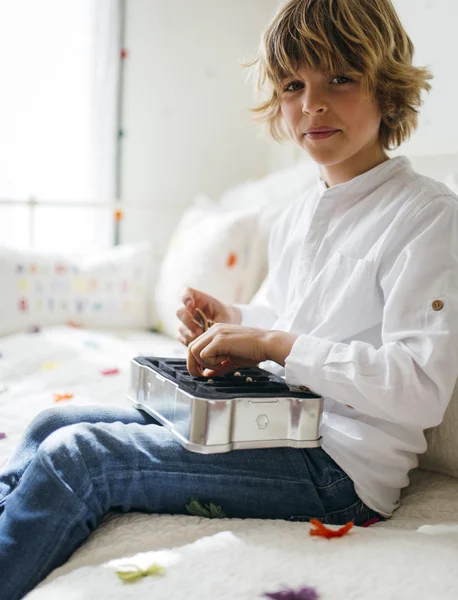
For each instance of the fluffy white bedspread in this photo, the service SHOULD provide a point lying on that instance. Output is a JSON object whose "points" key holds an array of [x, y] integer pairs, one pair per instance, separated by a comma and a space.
{"points": [[243, 559], [414, 555]]}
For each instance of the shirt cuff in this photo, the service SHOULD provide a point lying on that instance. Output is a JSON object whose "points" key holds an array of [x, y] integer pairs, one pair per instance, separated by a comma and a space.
{"points": [[304, 364]]}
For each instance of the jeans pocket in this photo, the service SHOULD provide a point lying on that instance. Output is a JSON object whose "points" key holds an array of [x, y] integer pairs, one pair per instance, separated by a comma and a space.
{"points": [[321, 469], [357, 512]]}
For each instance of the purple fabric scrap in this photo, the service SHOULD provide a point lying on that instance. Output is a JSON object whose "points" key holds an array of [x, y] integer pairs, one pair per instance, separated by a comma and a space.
{"points": [[303, 593]]}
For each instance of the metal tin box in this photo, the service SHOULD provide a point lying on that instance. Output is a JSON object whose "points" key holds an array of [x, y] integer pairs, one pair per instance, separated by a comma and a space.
{"points": [[251, 408]]}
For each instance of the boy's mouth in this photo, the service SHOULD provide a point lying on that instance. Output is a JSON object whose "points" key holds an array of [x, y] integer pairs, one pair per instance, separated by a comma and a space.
{"points": [[320, 133]]}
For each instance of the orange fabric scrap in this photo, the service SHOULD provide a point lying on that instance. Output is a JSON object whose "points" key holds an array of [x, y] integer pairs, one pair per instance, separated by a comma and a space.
{"points": [[232, 260], [324, 531], [60, 397]]}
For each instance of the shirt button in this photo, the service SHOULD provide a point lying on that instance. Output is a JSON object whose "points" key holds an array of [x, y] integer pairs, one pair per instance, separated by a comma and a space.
{"points": [[437, 305]]}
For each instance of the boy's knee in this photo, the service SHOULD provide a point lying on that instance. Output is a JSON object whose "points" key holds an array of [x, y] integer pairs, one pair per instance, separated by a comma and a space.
{"points": [[73, 455], [50, 419], [68, 450]]}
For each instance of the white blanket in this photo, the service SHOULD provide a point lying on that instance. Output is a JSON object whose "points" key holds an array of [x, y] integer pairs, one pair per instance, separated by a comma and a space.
{"points": [[243, 559], [228, 558]]}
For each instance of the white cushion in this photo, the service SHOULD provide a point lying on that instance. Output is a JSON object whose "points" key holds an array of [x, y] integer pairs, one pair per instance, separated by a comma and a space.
{"points": [[272, 193], [106, 289], [442, 453], [212, 250]]}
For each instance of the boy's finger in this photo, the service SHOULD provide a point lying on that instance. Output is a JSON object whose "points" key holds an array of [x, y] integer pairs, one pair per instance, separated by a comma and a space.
{"points": [[188, 298], [182, 340], [193, 364], [186, 334], [225, 367], [186, 318]]}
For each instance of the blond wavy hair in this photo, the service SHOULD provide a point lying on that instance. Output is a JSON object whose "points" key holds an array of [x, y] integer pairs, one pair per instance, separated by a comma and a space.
{"points": [[343, 37]]}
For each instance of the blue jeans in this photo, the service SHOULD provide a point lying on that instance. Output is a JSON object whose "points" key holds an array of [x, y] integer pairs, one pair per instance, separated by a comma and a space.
{"points": [[75, 464]]}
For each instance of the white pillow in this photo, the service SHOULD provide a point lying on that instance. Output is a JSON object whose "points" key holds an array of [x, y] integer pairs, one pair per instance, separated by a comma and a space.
{"points": [[106, 289], [442, 453], [273, 193], [212, 250]]}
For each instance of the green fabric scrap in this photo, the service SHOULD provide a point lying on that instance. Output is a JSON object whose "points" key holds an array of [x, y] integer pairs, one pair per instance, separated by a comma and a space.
{"points": [[137, 573], [210, 511]]}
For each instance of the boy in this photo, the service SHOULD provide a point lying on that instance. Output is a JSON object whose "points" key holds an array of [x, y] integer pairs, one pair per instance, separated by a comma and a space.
{"points": [[360, 305]]}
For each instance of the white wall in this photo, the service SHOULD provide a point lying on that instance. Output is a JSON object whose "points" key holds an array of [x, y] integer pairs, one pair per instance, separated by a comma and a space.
{"points": [[185, 114], [431, 25]]}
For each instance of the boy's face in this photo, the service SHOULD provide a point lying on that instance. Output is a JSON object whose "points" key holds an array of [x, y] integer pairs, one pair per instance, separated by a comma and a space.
{"points": [[336, 103]]}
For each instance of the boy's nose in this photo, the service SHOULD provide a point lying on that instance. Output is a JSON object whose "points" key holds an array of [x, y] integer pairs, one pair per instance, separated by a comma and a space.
{"points": [[312, 109], [313, 103]]}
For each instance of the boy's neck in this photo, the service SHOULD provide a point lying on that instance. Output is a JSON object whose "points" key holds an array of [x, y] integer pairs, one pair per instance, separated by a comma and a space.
{"points": [[353, 166]]}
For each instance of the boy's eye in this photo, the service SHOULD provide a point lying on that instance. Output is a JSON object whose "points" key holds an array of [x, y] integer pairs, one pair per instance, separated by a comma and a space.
{"points": [[294, 86], [339, 79]]}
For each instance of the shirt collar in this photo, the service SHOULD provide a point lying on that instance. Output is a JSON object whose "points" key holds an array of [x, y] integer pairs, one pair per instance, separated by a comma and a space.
{"points": [[366, 182]]}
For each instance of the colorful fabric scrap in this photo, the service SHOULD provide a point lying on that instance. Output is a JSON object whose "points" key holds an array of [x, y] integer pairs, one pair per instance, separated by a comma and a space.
{"points": [[321, 530]]}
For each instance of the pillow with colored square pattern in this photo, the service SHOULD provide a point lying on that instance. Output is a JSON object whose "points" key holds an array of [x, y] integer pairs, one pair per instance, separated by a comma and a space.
{"points": [[108, 288]]}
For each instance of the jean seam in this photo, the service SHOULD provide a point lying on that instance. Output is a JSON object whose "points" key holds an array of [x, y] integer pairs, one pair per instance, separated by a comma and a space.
{"points": [[330, 485], [161, 472], [95, 479], [75, 520], [56, 544], [354, 505]]}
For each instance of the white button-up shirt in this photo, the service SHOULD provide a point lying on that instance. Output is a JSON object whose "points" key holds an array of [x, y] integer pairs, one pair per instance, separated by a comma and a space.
{"points": [[366, 273]]}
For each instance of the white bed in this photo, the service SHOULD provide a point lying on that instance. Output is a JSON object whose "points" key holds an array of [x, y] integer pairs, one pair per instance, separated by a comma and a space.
{"points": [[412, 555]]}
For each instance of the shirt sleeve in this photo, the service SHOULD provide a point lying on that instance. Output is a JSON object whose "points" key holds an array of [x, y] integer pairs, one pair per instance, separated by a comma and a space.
{"points": [[410, 378]]}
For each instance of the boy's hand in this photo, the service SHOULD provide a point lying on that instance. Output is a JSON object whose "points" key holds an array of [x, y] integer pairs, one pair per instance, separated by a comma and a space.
{"points": [[224, 348], [211, 307]]}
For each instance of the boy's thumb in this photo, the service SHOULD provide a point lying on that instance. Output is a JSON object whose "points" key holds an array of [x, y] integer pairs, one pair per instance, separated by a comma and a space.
{"points": [[188, 297]]}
